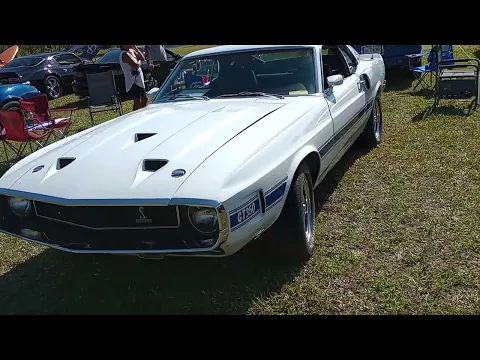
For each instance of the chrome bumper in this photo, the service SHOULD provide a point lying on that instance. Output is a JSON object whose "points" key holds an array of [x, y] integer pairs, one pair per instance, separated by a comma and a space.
{"points": [[211, 251]]}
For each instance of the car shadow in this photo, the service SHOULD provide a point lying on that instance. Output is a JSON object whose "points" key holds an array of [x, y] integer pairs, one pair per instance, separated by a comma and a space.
{"points": [[445, 110], [55, 282], [398, 80], [325, 190], [79, 103]]}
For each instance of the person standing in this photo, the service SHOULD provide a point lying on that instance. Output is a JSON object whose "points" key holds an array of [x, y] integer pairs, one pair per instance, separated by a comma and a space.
{"points": [[130, 60], [156, 59]]}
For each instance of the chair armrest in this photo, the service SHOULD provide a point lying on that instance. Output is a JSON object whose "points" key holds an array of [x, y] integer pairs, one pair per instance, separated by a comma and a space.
{"points": [[64, 110], [465, 60], [456, 66], [412, 56]]}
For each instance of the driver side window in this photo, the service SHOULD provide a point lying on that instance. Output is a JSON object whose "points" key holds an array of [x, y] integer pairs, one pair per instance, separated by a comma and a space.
{"points": [[67, 59], [333, 63], [349, 59]]}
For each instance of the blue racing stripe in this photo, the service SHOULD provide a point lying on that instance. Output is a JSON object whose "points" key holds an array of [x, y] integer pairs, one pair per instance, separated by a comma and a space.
{"points": [[273, 197]]}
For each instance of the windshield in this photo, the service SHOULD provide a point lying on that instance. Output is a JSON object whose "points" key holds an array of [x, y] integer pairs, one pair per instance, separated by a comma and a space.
{"points": [[25, 61], [254, 73]]}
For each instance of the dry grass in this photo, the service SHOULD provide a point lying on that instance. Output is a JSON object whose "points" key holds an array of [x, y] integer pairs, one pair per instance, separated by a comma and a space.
{"points": [[397, 233]]}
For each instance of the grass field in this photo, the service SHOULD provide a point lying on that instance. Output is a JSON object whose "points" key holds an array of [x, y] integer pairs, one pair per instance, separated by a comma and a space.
{"points": [[397, 233]]}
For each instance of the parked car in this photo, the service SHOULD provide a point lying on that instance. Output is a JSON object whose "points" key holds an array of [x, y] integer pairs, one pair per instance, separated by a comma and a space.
{"points": [[51, 73], [10, 95], [111, 62], [204, 169], [394, 56]]}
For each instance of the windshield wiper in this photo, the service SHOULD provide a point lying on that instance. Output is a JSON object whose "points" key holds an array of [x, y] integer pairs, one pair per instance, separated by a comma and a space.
{"points": [[185, 96], [252, 93]]}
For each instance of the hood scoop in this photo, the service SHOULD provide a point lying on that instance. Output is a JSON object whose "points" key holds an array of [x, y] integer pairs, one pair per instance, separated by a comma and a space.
{"points": [[152, 165], [140, 137], [62, 162]]}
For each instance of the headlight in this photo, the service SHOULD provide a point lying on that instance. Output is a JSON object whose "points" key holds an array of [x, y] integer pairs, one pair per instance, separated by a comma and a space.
{"points": [[19, 206], [203, 219]]}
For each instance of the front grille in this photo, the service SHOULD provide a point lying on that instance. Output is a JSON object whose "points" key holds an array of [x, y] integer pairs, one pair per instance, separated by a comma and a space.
{"points": [[76, 237], [111, 217]]}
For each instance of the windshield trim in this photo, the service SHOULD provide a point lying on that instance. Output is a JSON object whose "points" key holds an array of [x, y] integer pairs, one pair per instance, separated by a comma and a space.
{"points": [[246, 50]]}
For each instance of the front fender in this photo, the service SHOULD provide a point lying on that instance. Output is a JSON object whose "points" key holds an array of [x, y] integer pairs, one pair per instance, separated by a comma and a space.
{"points": [[299, 157], [16, 91]]}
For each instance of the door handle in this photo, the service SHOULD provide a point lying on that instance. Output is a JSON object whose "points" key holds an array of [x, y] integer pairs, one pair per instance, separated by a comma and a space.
{"points": [[361, 85]]}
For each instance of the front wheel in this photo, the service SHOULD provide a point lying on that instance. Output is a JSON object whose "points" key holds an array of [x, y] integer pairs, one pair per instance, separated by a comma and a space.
{"points": [[294, 236], [11, 106]]}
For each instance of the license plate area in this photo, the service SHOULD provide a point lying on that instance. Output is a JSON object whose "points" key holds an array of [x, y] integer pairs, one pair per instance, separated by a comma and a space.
{"points": [[372, 49]]}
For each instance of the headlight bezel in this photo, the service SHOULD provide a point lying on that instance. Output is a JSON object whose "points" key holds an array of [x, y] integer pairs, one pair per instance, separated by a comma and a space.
{"points": [[19, 210], [192, 212]]}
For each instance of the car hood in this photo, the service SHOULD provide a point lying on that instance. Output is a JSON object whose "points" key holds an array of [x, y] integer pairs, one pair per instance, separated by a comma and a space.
{"points": [[109, 159]]}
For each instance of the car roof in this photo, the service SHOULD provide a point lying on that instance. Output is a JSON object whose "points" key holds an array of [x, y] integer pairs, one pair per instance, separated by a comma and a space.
{"points": [[223, 49], [46, 54]]}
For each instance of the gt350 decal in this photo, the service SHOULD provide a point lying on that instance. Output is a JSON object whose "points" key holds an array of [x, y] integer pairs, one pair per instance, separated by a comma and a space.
{"points": [[243, 214]]}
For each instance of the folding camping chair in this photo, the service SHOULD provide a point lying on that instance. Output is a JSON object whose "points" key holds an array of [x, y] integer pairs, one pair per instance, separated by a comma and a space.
{"points": [[422, 72], [16, 135], [37, 109], [103, 94]]}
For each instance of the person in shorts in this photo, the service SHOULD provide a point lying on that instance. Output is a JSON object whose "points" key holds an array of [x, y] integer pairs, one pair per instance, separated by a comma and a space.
{"points": [[156, 57], [130, 60]]}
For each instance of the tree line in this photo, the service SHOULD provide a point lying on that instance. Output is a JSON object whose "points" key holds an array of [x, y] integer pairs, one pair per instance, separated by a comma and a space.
{"points": [[35, 49]]}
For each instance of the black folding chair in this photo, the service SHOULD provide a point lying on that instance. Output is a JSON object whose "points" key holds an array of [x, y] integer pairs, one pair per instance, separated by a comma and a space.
{"points": [[458, 81], [103, 94]]}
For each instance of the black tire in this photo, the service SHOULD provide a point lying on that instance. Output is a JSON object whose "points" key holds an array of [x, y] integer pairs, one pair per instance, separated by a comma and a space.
{"points": [[11, 106], [53, 87], [371, 136], [293, 236]]}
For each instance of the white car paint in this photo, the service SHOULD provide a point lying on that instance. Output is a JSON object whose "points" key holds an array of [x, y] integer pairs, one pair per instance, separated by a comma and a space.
{"points": [[232, 150]]}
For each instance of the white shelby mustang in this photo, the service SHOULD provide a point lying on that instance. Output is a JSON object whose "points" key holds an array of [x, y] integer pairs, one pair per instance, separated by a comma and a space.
{"points": [[232, 144]]}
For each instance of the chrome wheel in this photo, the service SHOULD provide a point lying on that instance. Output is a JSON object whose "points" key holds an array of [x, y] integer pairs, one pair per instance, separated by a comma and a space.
{"points": [[53, 87], [306, 198], [377, 121]]}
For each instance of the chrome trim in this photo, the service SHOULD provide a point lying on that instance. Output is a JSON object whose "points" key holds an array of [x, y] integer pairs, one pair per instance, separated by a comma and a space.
{"points": [[113, 228], [110, 202], [222, 214], [194, 202], [126, 252], [223, 224]]}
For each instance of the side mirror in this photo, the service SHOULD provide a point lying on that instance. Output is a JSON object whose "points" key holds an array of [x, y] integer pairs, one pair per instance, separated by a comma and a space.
{"points": [[151, 93], [335, 80]]}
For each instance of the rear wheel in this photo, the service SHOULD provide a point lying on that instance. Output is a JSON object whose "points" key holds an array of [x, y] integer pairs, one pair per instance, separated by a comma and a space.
{"points": [[53, 87], [372, 133]]}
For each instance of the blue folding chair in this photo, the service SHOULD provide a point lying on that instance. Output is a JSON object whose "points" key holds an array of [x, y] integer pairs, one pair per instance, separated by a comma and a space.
{"points": [[447, 55], [422, 72]]}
